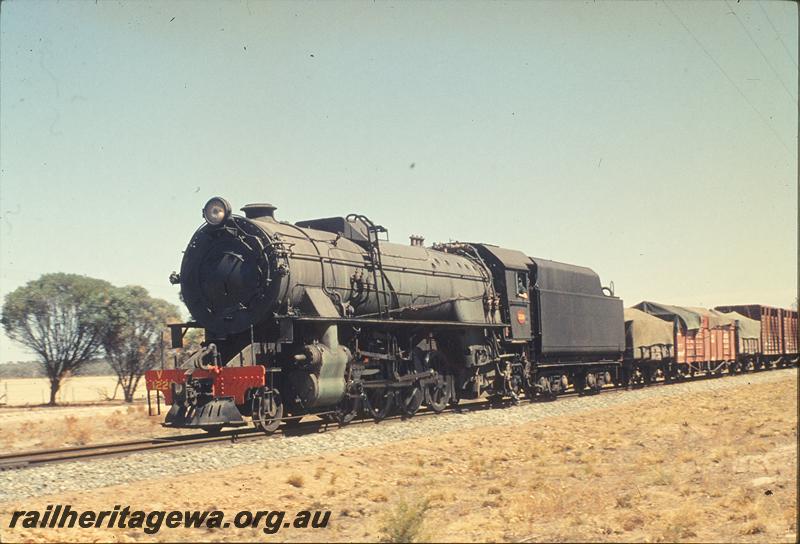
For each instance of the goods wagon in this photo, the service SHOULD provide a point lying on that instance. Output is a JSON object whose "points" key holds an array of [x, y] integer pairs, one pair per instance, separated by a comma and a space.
{"points": [[649, 347], [647, 337], [790, 332], [778, 332], [720, 337], [748, 332], [703, 341]]}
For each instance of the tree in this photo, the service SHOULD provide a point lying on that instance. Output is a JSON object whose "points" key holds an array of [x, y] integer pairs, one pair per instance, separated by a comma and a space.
{"points": [[135, 336], [193, 340], [62, 318]]}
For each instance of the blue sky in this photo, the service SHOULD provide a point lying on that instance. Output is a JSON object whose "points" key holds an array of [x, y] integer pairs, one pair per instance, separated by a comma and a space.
{"points": [[653, 142]]}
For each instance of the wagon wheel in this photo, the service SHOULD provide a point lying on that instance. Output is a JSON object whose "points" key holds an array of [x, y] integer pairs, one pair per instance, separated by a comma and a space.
{"points": [[267, 411], [379, 403], [437, 396], [410, 400]]}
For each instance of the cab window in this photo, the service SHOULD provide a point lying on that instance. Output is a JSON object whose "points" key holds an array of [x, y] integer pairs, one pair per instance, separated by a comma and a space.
{"points": [[522, 285]]}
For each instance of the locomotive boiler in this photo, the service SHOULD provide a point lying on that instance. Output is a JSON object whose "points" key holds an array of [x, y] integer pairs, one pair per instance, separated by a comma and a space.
{"points": [[328, 317]]}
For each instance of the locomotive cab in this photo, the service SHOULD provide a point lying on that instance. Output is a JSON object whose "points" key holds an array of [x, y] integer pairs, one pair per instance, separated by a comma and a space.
{"points": [[511, 271]]}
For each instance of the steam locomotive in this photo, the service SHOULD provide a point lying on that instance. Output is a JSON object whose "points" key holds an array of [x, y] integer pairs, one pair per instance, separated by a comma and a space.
{"points": [[327, 317]]}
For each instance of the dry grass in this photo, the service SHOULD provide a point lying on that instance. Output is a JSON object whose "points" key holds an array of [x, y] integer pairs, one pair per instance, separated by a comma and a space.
{"points": [[74, 390], [76, 432], [295, 480], [47, 428], [659, 470], [403, 523]]}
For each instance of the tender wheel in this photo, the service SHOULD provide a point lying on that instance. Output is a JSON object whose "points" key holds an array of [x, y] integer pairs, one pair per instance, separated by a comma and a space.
{"points": [[437, 397], [410, 400], [579, 383], [379, 403], [267, 411], [529, 387]]}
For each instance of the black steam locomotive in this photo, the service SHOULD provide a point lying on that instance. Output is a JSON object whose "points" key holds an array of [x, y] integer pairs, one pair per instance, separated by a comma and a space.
{"points": [[327, 317]]}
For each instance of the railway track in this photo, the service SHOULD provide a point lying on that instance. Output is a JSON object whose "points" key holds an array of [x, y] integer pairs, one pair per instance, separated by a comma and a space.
{"points": [[40, 457], [18, 460]]}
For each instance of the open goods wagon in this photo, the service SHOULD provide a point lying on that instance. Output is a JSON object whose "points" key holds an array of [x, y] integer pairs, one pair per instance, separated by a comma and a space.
{"points": [[778, 332], [702, 341]]}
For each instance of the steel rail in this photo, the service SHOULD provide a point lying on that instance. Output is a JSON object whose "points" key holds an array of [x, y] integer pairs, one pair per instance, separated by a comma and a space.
{"points": [[25, 459]]}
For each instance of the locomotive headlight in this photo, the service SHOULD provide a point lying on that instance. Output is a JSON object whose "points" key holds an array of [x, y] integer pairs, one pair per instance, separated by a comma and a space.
{"points": [[216, 211]]}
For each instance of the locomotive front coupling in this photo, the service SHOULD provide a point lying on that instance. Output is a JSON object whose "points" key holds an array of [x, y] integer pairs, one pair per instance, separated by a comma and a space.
{"points": [[195, 406]]}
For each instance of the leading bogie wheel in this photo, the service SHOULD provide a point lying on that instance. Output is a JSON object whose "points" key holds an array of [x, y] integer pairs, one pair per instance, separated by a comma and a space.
{"points": [[267, 411]]}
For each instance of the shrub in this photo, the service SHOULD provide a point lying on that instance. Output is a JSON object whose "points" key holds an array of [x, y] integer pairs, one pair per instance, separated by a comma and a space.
{"points": [[404, 522], [295, 480]]}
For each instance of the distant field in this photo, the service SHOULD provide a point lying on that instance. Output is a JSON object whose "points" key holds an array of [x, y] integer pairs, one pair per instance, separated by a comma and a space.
{"points": [[25, 391]]}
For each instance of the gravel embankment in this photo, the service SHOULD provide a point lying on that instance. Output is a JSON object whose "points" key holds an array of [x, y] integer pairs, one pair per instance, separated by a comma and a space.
{"points": [[75, 476]]}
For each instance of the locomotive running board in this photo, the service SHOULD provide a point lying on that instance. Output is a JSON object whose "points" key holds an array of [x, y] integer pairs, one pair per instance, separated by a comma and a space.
{"points": [[578, 363], [401, 322]]}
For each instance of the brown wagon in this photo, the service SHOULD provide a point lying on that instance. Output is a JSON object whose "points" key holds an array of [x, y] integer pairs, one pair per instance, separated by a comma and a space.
{"points": [[714, 341], [704, 341], [790, 333], [778, 332], [748, 333]]}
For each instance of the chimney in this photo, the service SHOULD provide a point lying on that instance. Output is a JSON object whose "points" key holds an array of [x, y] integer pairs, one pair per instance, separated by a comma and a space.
{"points": [[416, 240], [260, 211]]}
